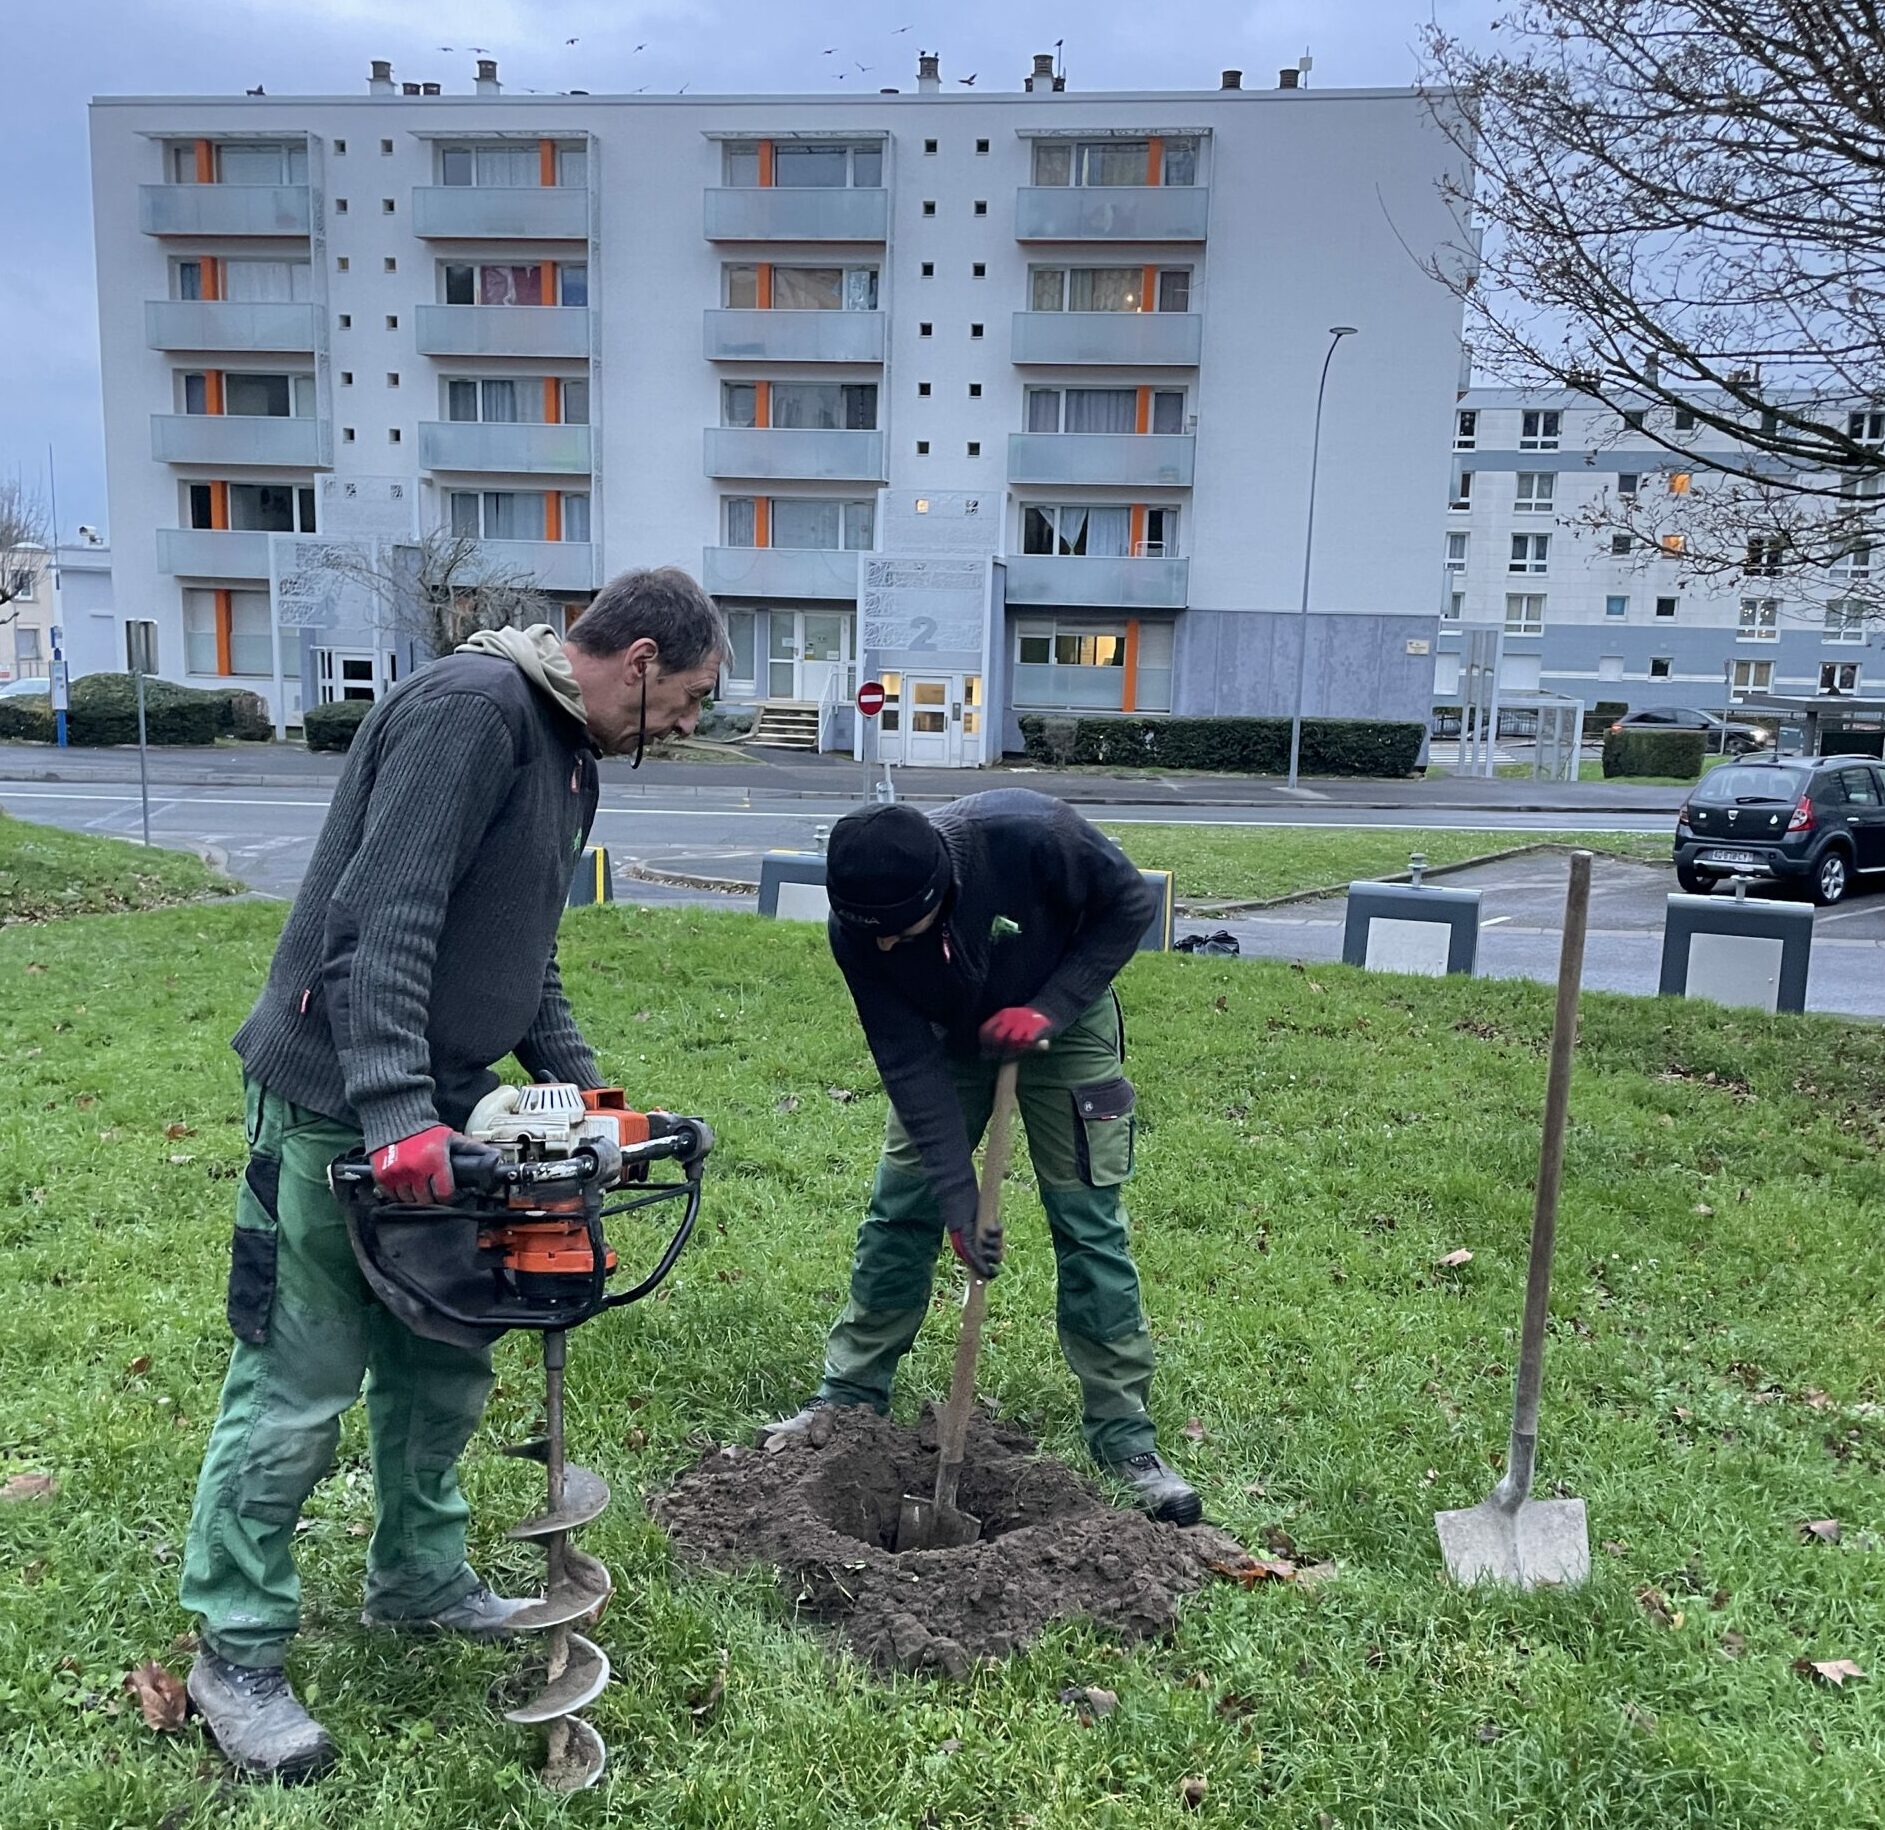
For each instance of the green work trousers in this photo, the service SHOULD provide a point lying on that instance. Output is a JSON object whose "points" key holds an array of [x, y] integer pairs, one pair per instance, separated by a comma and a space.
{"points": [[308, 1329], [1077, 1107]]}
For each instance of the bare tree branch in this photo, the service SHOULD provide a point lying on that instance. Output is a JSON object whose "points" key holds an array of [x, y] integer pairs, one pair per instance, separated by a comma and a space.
{"points": [[443, 588], [1680, 211], [25, 538]]}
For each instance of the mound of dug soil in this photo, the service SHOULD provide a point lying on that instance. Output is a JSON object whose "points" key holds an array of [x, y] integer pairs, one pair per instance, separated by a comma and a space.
{"points": [[822, 1510]]}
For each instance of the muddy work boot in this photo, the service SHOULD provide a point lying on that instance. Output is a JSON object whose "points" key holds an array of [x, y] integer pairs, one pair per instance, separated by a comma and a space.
{"points": [[1159, 1488], [256, 1720], [478, 1615], [800, 1423]]}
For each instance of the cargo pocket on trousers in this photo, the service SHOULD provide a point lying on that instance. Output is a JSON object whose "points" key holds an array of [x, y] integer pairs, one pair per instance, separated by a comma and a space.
{"points": [[252, 1250], [1103, 1132]]}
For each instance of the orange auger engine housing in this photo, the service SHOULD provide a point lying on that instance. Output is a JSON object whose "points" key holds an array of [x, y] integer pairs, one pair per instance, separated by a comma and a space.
{"points": [[521, 1244]]}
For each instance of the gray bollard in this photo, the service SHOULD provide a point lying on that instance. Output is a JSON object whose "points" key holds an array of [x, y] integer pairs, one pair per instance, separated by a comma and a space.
{"points": [[1406, 927], [593, 879], [1751, 955]]}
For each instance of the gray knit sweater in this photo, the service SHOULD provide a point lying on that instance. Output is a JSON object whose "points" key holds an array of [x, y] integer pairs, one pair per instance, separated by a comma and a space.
{"points": [[422, 946]]}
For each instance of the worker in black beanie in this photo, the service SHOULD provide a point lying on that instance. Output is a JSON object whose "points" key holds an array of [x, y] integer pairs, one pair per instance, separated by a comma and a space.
{"points": [[992, 929]]}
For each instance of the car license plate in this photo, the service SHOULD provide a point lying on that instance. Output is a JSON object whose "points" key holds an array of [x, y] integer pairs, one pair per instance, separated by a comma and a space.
{"points": [[1730, 857]]}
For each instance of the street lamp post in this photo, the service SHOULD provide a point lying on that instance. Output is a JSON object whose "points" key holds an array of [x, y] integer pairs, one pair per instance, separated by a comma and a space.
{"points": [[1336, 333]]}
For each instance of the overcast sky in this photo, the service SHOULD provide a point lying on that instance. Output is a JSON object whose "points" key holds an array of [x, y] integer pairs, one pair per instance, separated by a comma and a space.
{"points": [[59, 53]]}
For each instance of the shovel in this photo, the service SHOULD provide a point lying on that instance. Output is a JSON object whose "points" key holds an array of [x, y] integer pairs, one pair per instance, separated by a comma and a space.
{"points": [[1510, 1537], [927, 1522]]}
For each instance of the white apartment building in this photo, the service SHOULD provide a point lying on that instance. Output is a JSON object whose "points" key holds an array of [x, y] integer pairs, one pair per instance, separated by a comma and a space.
{"points": [[1595, 615], [1003, 398]]}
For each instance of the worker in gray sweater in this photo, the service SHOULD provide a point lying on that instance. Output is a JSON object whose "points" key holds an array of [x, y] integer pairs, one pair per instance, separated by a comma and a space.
{"points": [[992, 928], [420, 950]]}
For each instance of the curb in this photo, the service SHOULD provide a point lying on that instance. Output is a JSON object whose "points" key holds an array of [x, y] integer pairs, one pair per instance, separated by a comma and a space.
{"points": [[681, 880]]}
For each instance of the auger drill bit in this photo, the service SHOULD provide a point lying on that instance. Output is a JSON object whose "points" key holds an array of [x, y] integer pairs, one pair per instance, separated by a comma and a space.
{"points": [[576, 1669]]}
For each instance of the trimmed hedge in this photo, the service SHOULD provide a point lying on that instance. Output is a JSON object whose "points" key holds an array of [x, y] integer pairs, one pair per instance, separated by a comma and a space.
{"points": [[1643, 751], [1254, 746], [102, 710], [240, 714], [332, 727]]}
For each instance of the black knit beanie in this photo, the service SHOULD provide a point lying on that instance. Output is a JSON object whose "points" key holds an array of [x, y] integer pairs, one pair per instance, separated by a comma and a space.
{"points": [[885, 869]]}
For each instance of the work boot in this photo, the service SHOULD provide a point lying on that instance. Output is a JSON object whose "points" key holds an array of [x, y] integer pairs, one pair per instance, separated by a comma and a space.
{"points": [[1159, 1488], [477, 1615], [798, 1424], [257, 1721]]}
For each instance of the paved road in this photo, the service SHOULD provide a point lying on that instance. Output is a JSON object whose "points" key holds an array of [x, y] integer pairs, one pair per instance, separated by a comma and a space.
{"points": [[266, 832]]}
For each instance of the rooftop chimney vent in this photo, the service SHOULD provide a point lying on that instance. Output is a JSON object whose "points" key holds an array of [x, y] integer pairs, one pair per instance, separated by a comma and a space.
{"points": [[928, 72], [408, 88], [1233, 79], [487, 83], [430, 89], [1289, 79], [380, 81]]}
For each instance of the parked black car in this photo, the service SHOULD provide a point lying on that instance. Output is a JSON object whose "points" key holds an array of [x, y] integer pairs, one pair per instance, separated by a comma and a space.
{"points": [[1741, 738], [1819, 821]]}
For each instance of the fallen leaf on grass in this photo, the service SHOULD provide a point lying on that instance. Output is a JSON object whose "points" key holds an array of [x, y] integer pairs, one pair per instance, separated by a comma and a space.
{"points": [[790, 1103], [1616, 1547], [843, 1096], [1090, 1700], [173, 1132], [1824, 1531], [1833, 1671], [1255, 1570], [159, 1695], [34, 966], [140, 1366], [1462, 1256], [706, 1705], [358, 1528], [1487, 1733], [1656, 1605], [1278, 1542], [183, 1159], [1733, 1644], [29, 1487], [1194, 1430], [1191, 1791], [1311, 1575], [1639, 1719], [642, 1016]]}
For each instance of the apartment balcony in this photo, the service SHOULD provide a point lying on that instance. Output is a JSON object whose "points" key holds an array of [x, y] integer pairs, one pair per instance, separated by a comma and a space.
{"points": [[241, 438], [465, 445], [1099, 584], [1120, 339], [503, 330], [556, 565], [1139, 460], [239, 326], [795, 454], [482, 212], [224, 209], [779, 571], [200, 552], [1113, 212], [795, 213], [794, 336]]}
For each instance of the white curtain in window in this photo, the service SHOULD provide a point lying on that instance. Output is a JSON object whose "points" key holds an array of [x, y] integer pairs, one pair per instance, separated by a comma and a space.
{"points": [[199, 632], [1108, 533], [500, 402], [251, 646], [1043, 409], [817, 525], [572, 167], [740, 402], [860, 526], [823, 167], [1181, 162], [461, 400], [1102, 409], [811, 404], [1048, 291], [576, 517], [860, 289], [267, 282], [741, 521], [1104, 288], [513, 514], [807, 288], [1053, 162], [1114, 162], [508, 167], [465, 513]]}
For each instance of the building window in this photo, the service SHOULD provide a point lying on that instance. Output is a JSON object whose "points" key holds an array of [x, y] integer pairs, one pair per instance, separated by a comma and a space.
{"points": [[252, 396], [392, 323], [1839, 677], [1466, 429], [922, 447], [341, 263], [1537, 490], [244, 281], [1666, 607], [1868, 428], [1751, 676], [244, 162], [1079, 531], [1621, 545], [929, 270], [346, 320], [981, 147], [1111, 410], [807, 165], [978, 270], [340, 206], [925, 330], [929, 147], [386, 206], [1759, 620], [1538, 431], [1455, 607], [1685, 419], [1114, 162], [1845, 620], [1616, 606], [502, 514], [246, 637], [516, 284], [975, 390], [975, 447], [1524, 613], [392, 379], [506, 166], [1765, 553], [1107, 289], [1627, 482], [801, 288], [1529, 553], [929, 206], [1456, 552], [255, 508], [340, 149], [389, 265], [1462, 490], [393, 435], [1674, 545], [1633, 419], [826, 406], [1662, 667], [386, 149], [981, 206], [922, 390], [804, 524]]}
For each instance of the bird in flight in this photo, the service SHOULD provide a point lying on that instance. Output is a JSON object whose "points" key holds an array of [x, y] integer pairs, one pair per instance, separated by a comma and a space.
{"points": [[257, 90], [570, 41], [639, 47], [968, 82], [478, 50], [864, 69], [900, 30], [445, 47]]}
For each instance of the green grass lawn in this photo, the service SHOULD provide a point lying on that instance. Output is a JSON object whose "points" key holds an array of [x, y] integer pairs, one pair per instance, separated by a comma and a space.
{"points": [[1313, 1143], [1255, 863], [46, 873]]}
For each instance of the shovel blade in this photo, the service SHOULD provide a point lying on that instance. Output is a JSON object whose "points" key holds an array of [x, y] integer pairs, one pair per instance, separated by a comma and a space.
{"points": [[1536, 1544], [924, 1525]]}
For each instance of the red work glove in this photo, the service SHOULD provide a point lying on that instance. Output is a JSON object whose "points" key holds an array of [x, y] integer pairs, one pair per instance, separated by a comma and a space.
{"points": [[418, 1169], [982, 1258], [1015, 1031]]}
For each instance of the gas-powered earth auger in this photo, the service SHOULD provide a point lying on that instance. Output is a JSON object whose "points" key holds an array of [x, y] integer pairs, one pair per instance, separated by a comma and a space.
{"points": [[521, 1245]]}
